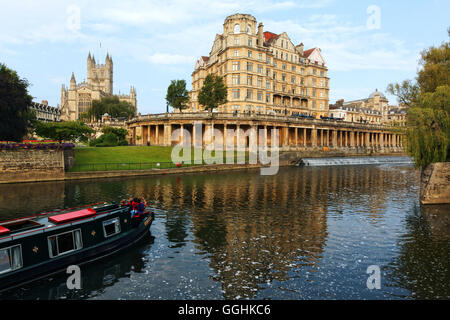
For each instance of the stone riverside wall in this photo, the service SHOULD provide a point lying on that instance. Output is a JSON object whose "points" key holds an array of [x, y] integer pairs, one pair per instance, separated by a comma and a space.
{"points": [[435, 183], [28, 165]]}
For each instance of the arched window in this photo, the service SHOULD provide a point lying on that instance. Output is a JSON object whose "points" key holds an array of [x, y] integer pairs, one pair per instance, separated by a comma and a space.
{"points": [[249, 29], [237, 28]]}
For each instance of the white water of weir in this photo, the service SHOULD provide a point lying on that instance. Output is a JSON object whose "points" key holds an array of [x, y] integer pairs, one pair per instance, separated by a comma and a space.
{"points": [[354, 161]]}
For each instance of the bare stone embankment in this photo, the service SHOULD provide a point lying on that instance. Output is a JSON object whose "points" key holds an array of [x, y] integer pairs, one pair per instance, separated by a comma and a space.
{"points": [[435, 183]]}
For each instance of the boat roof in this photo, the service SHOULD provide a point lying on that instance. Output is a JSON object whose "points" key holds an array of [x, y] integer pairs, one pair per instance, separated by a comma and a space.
{"points": [[22, 226]]}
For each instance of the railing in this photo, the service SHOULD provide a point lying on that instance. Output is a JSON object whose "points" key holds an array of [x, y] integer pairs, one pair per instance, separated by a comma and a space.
{"points": [[252, 116], [82, 167], [124, 166]]}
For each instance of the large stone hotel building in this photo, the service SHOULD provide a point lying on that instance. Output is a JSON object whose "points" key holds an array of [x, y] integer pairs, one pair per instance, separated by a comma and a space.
{"points": [[265, 72]]}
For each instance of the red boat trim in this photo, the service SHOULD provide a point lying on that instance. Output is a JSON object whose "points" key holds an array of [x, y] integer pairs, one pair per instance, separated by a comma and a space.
{"points": [[74, 215], [4, 230]]}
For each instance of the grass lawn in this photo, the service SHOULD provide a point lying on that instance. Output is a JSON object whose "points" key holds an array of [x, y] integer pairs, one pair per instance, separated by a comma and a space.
{"points": [[124, 158]]}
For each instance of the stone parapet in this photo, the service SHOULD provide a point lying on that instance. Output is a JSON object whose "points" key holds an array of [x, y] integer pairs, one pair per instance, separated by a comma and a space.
{"points": [[435, 183], [22, 165]]}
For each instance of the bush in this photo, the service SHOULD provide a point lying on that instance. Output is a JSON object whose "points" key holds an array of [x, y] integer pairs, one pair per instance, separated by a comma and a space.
{"points": [[108, 140]]}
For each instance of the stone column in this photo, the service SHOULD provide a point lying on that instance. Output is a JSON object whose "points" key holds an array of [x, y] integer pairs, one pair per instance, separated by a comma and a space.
{"points": [[352, 139], [238, 136], [334, 137], [304, 137], [296, 136], [285, 136], [253, 139], [225, 135], [182, 135], [157, 134], [314, 137], [265, 142], [167, 134]]}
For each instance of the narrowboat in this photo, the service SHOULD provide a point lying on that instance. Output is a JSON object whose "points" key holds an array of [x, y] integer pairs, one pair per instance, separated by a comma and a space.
{"points": [[35, 247]]}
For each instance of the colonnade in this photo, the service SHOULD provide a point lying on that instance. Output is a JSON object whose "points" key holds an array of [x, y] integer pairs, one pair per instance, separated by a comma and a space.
{"points": [[287, 137]]}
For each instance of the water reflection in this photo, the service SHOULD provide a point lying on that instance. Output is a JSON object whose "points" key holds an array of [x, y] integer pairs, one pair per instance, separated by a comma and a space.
{"points": [[423, 265], [303, 233]]}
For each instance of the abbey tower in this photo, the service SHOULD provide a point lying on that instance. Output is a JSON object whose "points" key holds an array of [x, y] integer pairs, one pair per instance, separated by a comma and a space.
{"points": [[78, 97]]}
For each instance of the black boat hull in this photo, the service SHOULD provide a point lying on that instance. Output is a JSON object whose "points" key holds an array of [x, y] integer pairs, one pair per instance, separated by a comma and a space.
{"points": [[141, 227]]}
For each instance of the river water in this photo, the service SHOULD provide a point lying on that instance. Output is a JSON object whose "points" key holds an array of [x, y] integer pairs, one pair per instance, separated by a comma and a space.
{"points": [[305, 233]]}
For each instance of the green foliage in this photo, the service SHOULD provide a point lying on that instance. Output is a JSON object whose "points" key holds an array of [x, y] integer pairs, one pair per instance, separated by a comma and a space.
{"points": [[177, 96], [64, 131], [111, 137], [110, 105], [428, 133], [435, 70], [15, 116], [213, 92], [121, 133], [407, 92]]}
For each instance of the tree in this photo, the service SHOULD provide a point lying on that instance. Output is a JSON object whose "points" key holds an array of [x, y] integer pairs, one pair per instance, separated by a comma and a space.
{"points": [[15, 115], [111, 137], [407, 92], [64, 131], [428, 133], [112, 106], [435, 64], [121, 133], [177, 96], [213, 92], [429, 128]]}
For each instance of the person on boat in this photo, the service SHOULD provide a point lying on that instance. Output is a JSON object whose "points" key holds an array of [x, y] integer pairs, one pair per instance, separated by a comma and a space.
{"points": [[134, 206], [141, 206]]}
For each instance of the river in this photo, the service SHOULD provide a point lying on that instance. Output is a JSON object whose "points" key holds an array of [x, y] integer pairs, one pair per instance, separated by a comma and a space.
{"points": [[305, 233]]}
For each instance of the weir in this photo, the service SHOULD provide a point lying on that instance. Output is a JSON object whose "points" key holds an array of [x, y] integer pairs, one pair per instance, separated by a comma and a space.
{"points": [[341, 161]]}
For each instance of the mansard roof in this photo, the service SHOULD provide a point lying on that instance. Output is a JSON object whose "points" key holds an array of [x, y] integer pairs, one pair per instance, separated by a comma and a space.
{"points": [[269, 36], [308, 52]]}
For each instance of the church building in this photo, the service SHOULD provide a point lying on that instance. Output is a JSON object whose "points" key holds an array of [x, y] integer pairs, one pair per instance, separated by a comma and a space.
{"points": [[78, 97]]}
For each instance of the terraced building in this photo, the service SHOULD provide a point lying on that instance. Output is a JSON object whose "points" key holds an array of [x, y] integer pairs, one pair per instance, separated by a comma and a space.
{"points": [[266, 73]]}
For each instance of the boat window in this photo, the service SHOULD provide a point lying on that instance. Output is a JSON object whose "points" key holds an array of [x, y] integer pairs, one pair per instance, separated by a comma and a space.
{"points": [[111, 227], [64, 242], [10, 259]]}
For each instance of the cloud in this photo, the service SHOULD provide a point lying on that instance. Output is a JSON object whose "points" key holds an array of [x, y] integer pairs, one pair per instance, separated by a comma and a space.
{"points": [[347, 46], [168, 58]]}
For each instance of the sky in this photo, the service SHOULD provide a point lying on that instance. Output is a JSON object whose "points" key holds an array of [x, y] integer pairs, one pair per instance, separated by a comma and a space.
{"points": [[366, 44]]}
